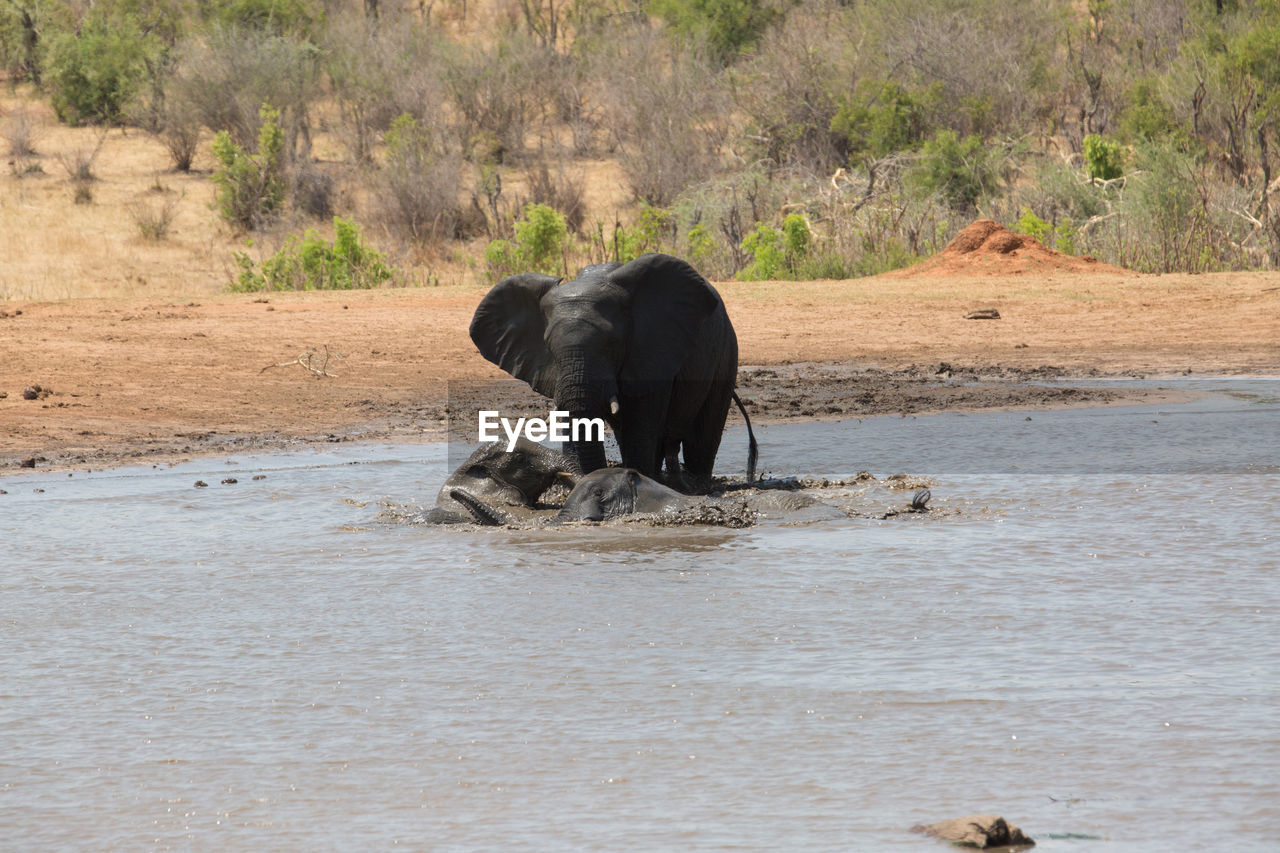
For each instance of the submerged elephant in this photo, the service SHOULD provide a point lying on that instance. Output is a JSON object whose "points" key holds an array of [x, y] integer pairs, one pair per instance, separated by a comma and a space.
{"points": [[500, 478], [647, 346], [616, 492], [611, 493]]}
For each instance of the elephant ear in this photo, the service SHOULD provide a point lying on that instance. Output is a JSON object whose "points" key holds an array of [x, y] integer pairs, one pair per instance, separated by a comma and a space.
{"points": [[508, 329], [635, 481], [670, 301]]}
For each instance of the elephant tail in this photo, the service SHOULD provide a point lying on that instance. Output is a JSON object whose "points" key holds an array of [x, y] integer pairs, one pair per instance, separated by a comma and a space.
{"points": [[753, 449], [483, 514]]}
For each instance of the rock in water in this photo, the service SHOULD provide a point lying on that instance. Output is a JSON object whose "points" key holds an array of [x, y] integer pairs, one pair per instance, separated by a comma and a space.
{"points": [[982, 831]]}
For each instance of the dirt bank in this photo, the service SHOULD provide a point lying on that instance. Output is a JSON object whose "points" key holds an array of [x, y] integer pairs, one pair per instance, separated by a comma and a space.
{"points": [[156, 380]]}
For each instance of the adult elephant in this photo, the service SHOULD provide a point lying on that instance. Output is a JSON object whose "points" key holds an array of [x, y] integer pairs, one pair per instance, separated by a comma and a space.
{"points": [[646, 346]]}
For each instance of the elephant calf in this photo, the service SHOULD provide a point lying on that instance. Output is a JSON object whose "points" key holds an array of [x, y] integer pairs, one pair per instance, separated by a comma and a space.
{"points": [[500, 478], [610, 493], [616, 492]]}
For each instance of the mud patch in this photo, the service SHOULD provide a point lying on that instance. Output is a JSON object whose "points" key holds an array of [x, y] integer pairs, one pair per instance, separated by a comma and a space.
{"points": [[809, 390], [834, 391], [732, 514], [731, 505]]}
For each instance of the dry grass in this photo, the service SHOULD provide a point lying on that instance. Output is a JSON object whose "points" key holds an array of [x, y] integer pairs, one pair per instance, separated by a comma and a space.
{"points": [[154, 213], [21, 130], [79, 163], [57, 249]]}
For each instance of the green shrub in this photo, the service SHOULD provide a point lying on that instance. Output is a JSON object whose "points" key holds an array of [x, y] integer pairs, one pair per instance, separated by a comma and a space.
{"points": [[313, 263], [727, 26], [1062, 236], [886, 256], [777, 254], [648, 233], [251, 187], [541, 236], [960, 170], [1254, 54], [700, 245], [1033, 226], [764, 245], [1103, 158], [23, 27], [1066, 236], [92, 75], [274, 16], [1147, 116], [797, 237], [501, 257], [827, 265], [539, 245], [892, 119]]}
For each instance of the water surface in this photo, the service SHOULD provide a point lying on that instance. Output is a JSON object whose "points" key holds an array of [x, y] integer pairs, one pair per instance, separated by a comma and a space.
{"points": [[1082, 638]]}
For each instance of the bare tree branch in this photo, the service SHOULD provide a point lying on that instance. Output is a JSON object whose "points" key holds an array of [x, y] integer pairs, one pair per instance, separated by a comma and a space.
{"points": [[311, 361]]}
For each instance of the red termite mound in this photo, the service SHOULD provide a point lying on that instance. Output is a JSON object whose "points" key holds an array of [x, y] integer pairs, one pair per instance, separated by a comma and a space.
{"points": [[986, 247]]}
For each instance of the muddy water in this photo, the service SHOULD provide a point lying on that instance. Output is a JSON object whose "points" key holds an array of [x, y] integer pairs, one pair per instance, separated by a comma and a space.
{"points": [[1082, 638]]}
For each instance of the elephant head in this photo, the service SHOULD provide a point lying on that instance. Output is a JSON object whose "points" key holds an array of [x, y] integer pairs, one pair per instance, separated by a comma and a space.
{"points": [[501, 478], [613, 492], [608, 344], [524, 472]]}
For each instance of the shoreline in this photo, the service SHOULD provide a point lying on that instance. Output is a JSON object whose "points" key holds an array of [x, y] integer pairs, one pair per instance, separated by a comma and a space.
{"points": [[144, 379], [773, 394]]}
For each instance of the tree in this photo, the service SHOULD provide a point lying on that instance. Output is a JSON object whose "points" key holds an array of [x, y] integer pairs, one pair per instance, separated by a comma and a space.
{"points": [[251, 187], [727, 26], [93, 74]]}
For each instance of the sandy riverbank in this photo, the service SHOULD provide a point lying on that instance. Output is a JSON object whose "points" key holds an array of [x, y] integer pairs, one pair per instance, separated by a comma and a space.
{"points": [[137, 379]]}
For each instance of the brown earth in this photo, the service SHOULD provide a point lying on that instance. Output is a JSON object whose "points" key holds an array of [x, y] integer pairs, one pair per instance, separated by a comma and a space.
{"points": [[985, 247], [137, 379], [140, 356]]}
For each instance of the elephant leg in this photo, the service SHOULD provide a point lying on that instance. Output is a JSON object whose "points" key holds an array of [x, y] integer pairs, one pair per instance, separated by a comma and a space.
{"points": [[673, 474], [585, 456], [640, 433], [702, 396], [702, 439], [640, 451]]}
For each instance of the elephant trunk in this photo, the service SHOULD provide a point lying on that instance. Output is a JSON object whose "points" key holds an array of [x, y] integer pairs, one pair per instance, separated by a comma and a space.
{"points": [[481, 513], [584, 390], [586, 456]]}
